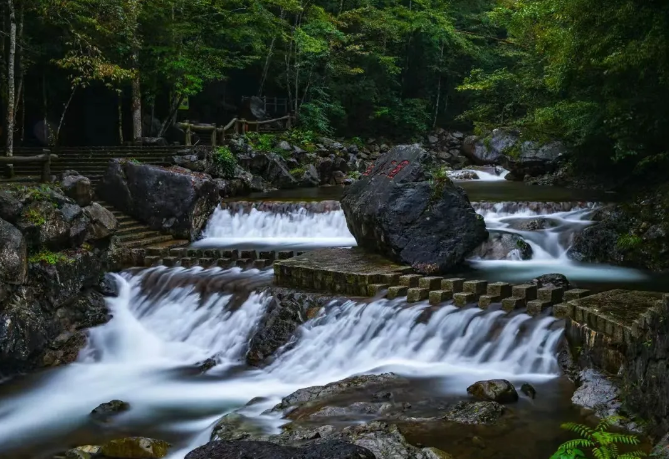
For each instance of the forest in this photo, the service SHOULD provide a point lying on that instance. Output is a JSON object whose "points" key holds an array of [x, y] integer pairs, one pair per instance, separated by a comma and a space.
{"points": [[593, 73]]}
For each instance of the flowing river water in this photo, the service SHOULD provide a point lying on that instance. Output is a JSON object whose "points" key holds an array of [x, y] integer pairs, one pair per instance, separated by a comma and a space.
{"points": [[166, 322]]}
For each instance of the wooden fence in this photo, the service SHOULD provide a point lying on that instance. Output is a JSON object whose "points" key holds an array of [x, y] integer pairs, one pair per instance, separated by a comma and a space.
{"points": [[235, 126], [44, 159]]}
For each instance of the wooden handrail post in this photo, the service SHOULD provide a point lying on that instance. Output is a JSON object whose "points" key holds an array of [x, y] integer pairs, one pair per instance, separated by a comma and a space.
{"points": [[188, 135], [46, 167], [289, 124], [213, 137]]}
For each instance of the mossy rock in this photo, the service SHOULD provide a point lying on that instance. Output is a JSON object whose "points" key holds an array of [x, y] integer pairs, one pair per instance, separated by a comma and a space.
{"points": [[135, 448]]}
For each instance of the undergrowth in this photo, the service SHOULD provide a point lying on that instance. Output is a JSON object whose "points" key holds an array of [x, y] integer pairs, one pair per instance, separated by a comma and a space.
{"points": [[50, 258], [226, 160]]}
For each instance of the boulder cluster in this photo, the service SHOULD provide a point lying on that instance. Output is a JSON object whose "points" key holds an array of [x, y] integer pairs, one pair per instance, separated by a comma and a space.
{"points": [[53, 247]]}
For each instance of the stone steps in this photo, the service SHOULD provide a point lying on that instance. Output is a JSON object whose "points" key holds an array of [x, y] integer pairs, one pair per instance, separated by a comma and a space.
{"points": [[213, 258]]}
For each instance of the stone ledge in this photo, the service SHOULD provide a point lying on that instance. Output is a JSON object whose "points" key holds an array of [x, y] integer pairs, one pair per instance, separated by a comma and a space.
{"points": [[343, 271]]}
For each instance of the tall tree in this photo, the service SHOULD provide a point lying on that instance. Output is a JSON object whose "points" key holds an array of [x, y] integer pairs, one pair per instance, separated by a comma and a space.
{"points": [[11, 96]]}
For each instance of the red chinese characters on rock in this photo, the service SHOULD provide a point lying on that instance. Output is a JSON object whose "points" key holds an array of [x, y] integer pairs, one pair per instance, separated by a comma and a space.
{"points": [[397, 168], [391, 175]]}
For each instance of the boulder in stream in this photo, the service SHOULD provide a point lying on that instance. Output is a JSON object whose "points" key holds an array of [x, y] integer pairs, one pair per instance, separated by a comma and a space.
{"points": [[173, 200], [105, 411], [504, 246], [496, 390], [398, 209], [135, 448]]}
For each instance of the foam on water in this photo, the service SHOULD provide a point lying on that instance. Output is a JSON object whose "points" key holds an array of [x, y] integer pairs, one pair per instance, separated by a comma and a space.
{"points": [[298, 228], [142, 354]]}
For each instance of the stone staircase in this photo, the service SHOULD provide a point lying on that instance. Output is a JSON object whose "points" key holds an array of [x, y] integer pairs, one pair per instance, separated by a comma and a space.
{"points": [[92, 162], [133, 234]]}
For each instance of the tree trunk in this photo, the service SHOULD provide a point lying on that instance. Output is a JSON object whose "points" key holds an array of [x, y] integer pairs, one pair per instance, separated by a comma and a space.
{"points": [[120, 118], [136, 109], [174, 107], [56, 136], [436, 104], [11, 94]]}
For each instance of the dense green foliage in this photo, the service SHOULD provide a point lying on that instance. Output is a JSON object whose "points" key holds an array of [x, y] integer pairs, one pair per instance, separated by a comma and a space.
{"points": [[602, 443], [226, 161], [595, 74]]}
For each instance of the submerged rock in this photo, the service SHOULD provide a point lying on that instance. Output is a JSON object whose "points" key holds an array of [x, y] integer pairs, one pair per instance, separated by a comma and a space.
{"points": [[135, 448], [529, 390], [398, 211], [475, 413], [266, 450], [105, 411], [497, 390], [554, 280]]}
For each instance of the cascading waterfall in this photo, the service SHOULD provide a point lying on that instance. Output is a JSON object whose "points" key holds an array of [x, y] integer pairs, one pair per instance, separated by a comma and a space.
{"points": [[295, 228], [148, 354]]}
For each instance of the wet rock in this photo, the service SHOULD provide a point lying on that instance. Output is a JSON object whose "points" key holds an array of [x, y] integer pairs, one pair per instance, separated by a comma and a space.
{"points": [[13, 254], [61, 279], [105, 411], [398, 212], [283, 315], [63, 350], [600, 395], [82, 452], [352, 411], [384, 440], [534, 224], [10, 207], [503, 246], [234, 427], [135, 448], [266, 450], [496, 390], [103, 223], [108, 285], [489, 150], [285, 146], [207, 365], [317, 394], [528, 390], [78, 188], [554, 280], [475, 413], [464, 175], [23, 332], [272, 168], [45, 226], [174, 200]]}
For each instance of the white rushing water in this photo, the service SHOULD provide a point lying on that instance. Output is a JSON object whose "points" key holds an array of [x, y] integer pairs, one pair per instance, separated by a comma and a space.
{"points": [[492, 174], [156, 334], [270, 229]]}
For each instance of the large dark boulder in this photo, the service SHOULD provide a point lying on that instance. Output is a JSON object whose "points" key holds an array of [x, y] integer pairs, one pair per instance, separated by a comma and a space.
{"points": [[172, 200], [332, 449], [400, 211], [13, 254], [103, 223]]}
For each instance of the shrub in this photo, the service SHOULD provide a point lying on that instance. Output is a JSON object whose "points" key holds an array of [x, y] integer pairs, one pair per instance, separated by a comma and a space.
{"points": [[602, 443], [226, 161], [50, 258]]}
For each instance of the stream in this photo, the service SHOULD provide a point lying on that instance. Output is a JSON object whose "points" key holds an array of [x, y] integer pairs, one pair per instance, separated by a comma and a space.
{"points": [[167, 321]]}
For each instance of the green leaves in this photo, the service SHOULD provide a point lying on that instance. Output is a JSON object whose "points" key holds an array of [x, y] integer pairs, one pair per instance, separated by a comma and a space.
{"points": [[602, 443]]}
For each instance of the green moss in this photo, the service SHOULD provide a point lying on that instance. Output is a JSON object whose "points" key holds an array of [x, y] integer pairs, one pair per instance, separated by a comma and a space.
{"points": [[261, 142], [297, 172], [224, 158], [50, 258], [35, 217], [628, 241], [487, 141], [514, 151]]}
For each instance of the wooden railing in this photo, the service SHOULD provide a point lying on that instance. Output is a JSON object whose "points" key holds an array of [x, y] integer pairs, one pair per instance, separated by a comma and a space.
{"points": [[235, 125], [45, 158]]}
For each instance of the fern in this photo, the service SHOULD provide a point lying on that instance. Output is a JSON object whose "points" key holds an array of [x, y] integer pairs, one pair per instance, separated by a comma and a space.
{"points": [[602, 443]]}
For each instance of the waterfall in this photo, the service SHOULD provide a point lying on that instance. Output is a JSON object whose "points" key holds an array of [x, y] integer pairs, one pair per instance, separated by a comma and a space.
{"points": [[148, 354]]}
